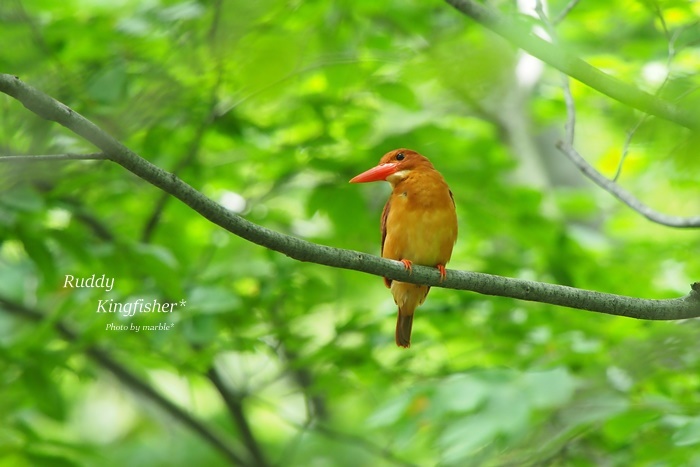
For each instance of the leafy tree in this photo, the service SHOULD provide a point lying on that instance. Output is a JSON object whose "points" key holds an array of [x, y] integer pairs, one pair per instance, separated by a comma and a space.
{"points": [[254, 116]]}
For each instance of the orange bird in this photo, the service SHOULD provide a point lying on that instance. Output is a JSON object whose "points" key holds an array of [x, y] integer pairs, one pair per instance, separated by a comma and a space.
{"points": [[419, 225]]}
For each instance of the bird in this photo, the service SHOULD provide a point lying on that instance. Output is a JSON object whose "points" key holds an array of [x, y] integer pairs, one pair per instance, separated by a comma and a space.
{"points": [[418, 226]]}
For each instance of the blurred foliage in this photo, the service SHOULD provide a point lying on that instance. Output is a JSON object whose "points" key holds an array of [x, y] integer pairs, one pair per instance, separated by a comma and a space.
{"points": [[270, 107]]}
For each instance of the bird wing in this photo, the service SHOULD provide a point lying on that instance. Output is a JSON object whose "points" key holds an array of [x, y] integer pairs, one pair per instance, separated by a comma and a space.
{"points": [[385, 216]]}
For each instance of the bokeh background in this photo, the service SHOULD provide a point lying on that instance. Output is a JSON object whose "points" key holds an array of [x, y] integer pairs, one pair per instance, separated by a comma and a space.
{"points": [[269, 108]]}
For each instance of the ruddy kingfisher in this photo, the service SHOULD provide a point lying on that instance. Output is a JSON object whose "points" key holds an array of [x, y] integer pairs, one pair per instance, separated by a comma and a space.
{"points": [[419, 226]]}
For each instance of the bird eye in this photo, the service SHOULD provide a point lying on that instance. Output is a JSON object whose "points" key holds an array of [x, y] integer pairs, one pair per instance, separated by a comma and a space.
{"points": [[400, 156]]}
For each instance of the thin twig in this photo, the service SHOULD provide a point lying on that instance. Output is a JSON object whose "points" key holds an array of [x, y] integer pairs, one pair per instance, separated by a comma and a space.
{"points": [[570, 126], [671, 38], [660, 14], [567, 147], [565, 12], [626, 146], [53, 157], [326, 62], [315, 404]]}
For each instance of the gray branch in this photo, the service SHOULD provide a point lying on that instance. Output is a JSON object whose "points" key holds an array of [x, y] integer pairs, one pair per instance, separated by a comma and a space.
{"points": [[625, 196], [551, 54], [49, 108], [558, 57]]}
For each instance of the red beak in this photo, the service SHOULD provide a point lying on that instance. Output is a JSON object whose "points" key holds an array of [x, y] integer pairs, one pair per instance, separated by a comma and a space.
{"points": [[375, 174]]}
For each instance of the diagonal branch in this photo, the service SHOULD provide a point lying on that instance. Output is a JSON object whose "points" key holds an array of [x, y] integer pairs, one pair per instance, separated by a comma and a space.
{"points": [[626, 146], [519, 35], [567, 147], [132, 381], [51, 109], [234, 403], [625, 196], [565, 12]]}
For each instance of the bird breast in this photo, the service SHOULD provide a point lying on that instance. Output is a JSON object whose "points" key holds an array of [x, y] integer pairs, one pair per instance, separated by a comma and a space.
{"points": [[421, 225]]}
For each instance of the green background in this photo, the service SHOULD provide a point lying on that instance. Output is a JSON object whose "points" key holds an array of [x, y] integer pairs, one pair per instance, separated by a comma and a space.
{"points": [[270, 107]]}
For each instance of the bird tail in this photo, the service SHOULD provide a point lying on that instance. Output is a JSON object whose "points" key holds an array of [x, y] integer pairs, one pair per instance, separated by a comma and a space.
{"points": [[404, 324], [407, 297]]}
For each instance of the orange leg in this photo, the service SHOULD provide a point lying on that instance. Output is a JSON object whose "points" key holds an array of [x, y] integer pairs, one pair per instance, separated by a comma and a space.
{"points": [[443, 273], [408, 264]]}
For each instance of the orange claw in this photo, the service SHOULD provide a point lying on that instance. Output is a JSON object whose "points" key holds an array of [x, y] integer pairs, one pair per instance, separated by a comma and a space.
{"points": [[407, 264], [443, 272]]}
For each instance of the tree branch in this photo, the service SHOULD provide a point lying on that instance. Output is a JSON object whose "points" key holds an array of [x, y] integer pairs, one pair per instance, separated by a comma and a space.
{"points": [[625, 196], [671, 38], [567, 147], [315, 403], [626, 146], [565, 12], [49, 108], [234, 403], [519, 35], [98, 228], [130, 380]]}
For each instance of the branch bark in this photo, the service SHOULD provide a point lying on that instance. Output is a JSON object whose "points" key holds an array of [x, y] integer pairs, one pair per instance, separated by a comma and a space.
{"points": [[48, 108], [625, 196], [567, 148], [519, 35]]}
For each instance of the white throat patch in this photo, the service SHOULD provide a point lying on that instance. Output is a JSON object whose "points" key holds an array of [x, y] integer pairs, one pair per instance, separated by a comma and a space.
{"points": [[397, 177]]}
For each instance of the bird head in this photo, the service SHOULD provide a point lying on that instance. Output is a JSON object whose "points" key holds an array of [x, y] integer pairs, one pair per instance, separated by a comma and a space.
{"points": [[394, 166]]}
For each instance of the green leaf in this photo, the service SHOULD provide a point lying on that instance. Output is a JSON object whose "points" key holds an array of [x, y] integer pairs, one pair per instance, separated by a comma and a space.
{"points": [[182, 11], [213, 300], [38, 251], [390, 412], [44, 391], [551, 388], [109, 85], [595, 408], [466, 436], [460, 393], [199, 329], [158, 263], [22, 197], [623, 427], [399, 94], [688, 434], [53, 460]]}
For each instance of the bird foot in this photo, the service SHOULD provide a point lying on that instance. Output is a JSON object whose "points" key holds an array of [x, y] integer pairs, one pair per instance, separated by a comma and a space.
{"points": [[408, 264], [443, 272]]}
